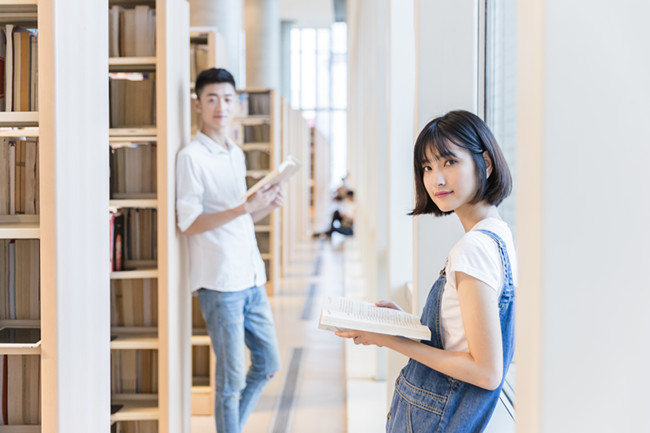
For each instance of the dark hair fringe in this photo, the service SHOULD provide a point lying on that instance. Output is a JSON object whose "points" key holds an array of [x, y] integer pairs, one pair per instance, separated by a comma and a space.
{"points": [[212, 76]]}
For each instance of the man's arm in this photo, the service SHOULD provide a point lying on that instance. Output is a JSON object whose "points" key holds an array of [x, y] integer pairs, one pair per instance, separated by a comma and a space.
{"points": [[257, 204]]}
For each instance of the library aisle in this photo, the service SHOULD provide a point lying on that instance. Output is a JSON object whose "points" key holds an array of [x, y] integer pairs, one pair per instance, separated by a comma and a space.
{"points": [[309, 394]]}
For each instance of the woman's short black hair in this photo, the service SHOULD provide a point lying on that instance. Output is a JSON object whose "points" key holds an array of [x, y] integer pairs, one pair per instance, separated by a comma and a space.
{"points": [[212, 76], [466, 130]]}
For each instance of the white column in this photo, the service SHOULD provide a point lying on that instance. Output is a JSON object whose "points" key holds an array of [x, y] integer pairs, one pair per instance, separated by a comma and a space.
{"points": [[582, 216], [227, 17], [447, 79], [74, 188], [262, 25]]}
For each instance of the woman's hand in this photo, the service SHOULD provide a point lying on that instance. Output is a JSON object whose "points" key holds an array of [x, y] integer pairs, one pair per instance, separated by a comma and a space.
{"points": [[388, 304], [365, 338]]}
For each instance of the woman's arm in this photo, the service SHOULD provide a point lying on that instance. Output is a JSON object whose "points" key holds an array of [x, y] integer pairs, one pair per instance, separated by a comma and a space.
{"points": [[483, 364]]}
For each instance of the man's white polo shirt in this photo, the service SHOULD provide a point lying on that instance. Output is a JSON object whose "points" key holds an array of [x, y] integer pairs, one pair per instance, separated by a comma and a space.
{"points": [[209, 179]]}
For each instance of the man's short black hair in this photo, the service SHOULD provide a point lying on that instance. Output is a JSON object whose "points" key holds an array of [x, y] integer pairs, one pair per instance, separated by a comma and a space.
{"points": [[212, 76]]}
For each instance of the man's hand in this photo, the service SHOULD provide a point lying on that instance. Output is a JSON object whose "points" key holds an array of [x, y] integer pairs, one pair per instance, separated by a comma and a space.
{"points": [[262, 199]]}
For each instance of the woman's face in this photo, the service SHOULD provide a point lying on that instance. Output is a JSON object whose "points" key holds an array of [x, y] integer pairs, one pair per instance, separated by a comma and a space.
{"points": [[450, 181]]}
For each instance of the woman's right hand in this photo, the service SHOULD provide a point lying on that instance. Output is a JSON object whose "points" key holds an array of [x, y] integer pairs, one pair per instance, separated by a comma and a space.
{"points": [[388, 304]]}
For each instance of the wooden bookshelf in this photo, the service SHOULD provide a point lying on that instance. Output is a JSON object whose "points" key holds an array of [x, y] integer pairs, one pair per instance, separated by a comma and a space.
{"points": [[171, 130], [20, 232]]}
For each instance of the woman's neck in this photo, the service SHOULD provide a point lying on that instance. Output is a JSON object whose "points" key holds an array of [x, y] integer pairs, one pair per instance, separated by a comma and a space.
{"points": [[470, 215]]}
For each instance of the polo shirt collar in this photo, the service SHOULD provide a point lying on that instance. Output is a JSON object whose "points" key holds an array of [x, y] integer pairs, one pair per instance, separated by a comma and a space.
{"points": [[213, 146]]}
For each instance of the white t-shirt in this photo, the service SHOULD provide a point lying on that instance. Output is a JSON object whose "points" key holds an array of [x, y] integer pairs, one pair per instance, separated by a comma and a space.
{"points": [[475, 254], [212, 178]]}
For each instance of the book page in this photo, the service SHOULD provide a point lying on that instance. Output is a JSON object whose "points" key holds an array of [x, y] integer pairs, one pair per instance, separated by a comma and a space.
{"points": [[371, 313]]}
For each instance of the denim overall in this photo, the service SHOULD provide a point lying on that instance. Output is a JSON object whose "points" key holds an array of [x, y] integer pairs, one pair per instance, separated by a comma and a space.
{"points": [[428, 401]]}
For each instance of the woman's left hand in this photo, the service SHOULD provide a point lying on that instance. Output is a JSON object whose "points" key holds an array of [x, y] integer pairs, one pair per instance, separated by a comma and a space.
{"points": [[365, 338]]}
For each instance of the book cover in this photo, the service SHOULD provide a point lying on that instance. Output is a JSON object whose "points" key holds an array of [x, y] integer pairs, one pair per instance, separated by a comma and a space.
{"points": [[284, 171], [4, 176], [9, 67], [3, 56], [341, 314]]}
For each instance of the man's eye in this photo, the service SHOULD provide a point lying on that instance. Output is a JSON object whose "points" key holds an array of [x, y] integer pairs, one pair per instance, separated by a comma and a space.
{"points": [[426, 168], [450, 162]]}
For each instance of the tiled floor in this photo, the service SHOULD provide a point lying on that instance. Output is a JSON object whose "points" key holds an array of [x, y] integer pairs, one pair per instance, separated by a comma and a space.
{"points": [[316, 396]]}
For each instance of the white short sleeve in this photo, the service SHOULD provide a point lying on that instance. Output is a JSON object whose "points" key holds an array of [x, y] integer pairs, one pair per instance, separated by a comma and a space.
{"points": [[476, 255], [189, 191]]}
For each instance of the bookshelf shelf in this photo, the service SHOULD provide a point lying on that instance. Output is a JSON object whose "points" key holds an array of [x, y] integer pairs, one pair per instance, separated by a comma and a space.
{"points": [[18, 118], [256, 146], [131, 64], [257, 173], [262, 228], [254, 119], [133, 134], [20, 349], [139, 203], [20, 429], [19, 230], [135, 341], [134, 275], [19, 3], [19, 132], [136, 410], [200, 340]]}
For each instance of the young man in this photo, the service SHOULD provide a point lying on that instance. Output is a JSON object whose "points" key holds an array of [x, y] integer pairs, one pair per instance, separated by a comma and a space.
{"points": [[225, 264]]}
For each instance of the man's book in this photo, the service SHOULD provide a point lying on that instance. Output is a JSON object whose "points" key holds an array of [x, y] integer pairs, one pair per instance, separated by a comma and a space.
{"points": [[284, 171], [342, 314]]}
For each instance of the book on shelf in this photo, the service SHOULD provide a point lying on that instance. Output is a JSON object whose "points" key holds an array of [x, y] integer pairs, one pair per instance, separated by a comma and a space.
{"points": [[20, 390], [342, 314], [20, 281], [20, 83], [134, 371], [259, 104], [24, 336], [133, 170], [132, 31], [284, 171], [132, 99], [135, 427], [19, 176], [134, 303]]}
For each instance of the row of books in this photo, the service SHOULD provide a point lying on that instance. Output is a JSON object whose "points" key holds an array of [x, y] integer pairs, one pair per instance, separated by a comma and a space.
{"points": [[19, 279], [134, 303], [254, 104], [20, 377], [18, 69], [258, 159], [132, 32], [242, 134], [133, 170], [134, 371], [198, 59], [135, 427], [133, 237], [19, 176], [132, 99]]}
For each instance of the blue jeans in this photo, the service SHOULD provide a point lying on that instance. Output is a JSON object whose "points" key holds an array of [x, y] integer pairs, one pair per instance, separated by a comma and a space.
{"points": [[234, 319]]}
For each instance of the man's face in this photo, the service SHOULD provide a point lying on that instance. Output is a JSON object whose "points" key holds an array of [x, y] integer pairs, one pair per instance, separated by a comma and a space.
{"points": [[217, 105]]}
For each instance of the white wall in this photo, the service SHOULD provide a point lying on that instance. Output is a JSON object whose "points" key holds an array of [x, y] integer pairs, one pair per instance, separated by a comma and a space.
{"points": [[583, 212], [447, 79]]}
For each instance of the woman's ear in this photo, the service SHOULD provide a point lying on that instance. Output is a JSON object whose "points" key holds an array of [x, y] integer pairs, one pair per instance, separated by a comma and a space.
{"points": [[488, 163]]}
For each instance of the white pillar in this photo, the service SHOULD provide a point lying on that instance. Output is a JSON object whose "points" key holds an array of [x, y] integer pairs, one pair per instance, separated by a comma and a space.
{"points": [[285, 59], [582, 216], [262, 25], [227, 17]]}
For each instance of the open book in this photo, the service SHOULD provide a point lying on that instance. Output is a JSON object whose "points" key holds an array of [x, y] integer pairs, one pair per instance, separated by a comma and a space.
{"points": [[341, 314], [284, 171]]}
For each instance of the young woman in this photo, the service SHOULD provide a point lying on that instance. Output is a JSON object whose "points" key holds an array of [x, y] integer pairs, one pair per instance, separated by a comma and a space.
{"points": [[452, 382]]}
